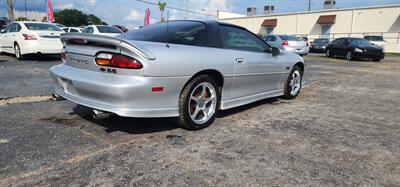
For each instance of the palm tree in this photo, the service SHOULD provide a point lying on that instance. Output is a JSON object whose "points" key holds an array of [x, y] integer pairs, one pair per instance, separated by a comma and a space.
{"points": [[162, 8]]}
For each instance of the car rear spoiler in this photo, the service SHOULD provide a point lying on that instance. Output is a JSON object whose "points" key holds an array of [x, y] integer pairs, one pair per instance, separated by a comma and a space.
{"points": [[108, 40]]}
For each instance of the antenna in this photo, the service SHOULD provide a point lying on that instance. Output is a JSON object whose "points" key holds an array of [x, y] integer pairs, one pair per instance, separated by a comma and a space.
{"points": [[167, 29]]}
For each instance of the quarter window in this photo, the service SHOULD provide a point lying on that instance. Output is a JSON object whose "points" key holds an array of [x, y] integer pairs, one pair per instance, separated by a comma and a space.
{"points": [[239, 39]]}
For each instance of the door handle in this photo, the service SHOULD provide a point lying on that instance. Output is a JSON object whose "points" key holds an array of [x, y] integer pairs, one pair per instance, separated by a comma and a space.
{"points": [[240, 60]]}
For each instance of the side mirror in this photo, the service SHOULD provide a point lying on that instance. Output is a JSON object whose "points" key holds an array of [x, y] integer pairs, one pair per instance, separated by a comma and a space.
{"points": [[275, 51]]}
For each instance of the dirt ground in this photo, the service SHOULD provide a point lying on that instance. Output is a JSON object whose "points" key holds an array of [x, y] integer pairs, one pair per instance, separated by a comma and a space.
{"points": [[343, 130]]}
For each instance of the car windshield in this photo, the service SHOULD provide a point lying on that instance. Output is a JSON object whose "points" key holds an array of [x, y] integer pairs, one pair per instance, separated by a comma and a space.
{"points": [[41, 27], [321, 41], [374, 38], [108, 29], [289, 38], [177, 32], [359, 42]]}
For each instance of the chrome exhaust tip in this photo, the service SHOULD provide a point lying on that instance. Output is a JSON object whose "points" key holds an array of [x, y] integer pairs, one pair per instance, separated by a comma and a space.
{"points": [[56, 97], [98, 114]]}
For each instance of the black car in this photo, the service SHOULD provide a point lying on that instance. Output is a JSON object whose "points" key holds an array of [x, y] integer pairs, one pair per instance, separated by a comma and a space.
{"points": [[319, 45], [354, 48]]}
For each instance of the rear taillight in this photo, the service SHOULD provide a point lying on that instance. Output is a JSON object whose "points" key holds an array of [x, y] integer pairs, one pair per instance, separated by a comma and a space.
{"points": [[63, 56], [117, 61], [285, 42], [29, 37]]}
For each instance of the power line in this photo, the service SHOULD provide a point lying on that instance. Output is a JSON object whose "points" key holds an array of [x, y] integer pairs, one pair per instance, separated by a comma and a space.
{"points": [[179, 9]]}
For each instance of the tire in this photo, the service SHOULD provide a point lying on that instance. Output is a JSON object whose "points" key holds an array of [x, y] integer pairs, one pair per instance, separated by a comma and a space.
{"points": [[17, 52], [198, 108], [293, 83], [328, 53], [349, 55]]}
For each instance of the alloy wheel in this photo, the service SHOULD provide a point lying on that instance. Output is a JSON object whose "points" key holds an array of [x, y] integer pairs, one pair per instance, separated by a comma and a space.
{"points": [[349, 56], [17, 51], [295, 83], [202, 103]]}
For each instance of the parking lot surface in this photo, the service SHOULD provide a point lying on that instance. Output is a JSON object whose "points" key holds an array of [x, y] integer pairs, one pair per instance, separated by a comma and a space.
{"points": [[343, 129]]}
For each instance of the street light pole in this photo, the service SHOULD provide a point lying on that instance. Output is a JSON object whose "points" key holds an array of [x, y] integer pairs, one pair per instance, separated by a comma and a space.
{"points": [[187, 10], [309, 5], [10, 10], [26, 13]]}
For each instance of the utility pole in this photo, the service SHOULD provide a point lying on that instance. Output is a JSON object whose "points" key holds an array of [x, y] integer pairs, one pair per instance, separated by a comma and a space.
{"points": [[187, 10], [26, 13], [10, 10], [309, 5]]}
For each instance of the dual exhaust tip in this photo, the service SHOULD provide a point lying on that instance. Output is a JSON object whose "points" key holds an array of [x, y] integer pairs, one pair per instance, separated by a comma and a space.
{"points": [[97, 114]]}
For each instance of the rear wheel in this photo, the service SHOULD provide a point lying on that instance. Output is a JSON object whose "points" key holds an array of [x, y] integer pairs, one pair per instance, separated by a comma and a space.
{"points": [[17, 52], [293, 83], [377, 60], [198, 103]]}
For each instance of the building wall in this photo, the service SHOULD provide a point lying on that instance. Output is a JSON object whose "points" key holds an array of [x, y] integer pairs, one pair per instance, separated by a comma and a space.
{"points": [[349, 22]]}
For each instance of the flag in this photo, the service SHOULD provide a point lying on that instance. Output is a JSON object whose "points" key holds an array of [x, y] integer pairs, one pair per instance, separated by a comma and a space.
{"points": [[147, 17], [50, 15]]}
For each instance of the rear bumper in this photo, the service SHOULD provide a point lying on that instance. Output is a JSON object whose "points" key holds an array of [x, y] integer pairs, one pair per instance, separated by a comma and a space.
{"points": [[35, 46], [299, 51], [129, 96]]}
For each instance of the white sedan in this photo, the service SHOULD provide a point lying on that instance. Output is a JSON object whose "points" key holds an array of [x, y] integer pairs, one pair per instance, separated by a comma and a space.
{"points": [[102, 30], [22, 38]]}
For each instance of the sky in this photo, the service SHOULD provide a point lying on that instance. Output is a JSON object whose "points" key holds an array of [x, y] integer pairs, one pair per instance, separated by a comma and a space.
{"points": [[130, 13]]}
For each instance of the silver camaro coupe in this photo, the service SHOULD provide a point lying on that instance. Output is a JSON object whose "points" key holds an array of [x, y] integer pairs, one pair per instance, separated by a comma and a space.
{"points": [[185, 69]]}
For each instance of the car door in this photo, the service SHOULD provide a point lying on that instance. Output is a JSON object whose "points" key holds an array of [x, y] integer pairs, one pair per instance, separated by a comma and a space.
{"points": [[341, 47], [256, 71], [6, 41]]}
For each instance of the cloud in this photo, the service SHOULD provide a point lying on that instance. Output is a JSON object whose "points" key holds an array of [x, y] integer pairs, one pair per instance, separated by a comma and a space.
{"points": [[92, 2], [133, 16], [62, 6], [209, 7]]}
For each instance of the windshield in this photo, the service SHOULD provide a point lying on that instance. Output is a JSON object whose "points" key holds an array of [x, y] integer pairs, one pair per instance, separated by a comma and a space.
{"points": [[359, 42], [108, 29], [321, 41], [289, 38], [41, 27], [374, 38]]}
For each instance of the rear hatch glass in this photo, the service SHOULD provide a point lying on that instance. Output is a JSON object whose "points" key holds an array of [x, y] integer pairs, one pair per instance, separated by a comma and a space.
{"points": [[108, 29]]}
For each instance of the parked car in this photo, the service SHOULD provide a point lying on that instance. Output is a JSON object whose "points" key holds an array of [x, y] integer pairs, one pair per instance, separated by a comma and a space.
{"points": [[122, 28], [376, 40], [72, 29], [354, 48], [319, 45], [288, 43], [190, 72], [102, 30], [61, 26], [3, 23], [22, 38]]}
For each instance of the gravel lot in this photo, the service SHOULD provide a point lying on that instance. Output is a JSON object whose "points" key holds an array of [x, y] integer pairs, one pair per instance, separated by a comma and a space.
{"points": [[343, 130]]}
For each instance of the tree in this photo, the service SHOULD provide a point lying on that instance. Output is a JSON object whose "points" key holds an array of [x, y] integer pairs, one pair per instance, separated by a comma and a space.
{"points": [[76, 18], [22, 19], [162, 8]]}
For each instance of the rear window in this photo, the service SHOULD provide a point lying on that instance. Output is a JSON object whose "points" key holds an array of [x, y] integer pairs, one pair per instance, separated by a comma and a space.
{"points": [[374, 38], [179, 32], [289, 38], [321, 41], [41, 27], [108, 29]]}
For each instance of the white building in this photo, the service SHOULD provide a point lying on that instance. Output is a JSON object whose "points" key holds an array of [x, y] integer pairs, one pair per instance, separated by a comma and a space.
{"points": [[332, 23]]}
